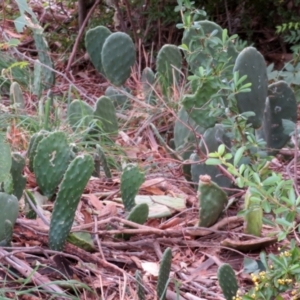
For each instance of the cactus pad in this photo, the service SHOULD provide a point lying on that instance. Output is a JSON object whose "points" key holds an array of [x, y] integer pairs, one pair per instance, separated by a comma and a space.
{"points": [[119, 99], [94, 41], [164, 273], [79, 114], [103, 161], [148, 81], [251, 63], [139, 214], [168, 64], [5, 159], [51, 161], [70, 191], [106, 113], [18, 180], [131, 180], [212, 201], [118, 57], [281, 105], [9, 209], [227, 281], [16, 98]]}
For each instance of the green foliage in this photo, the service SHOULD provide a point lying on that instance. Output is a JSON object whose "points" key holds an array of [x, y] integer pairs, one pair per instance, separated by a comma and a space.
{"points": [[227, 281], [70, 190], [131, 180], [275, 275], [290, 32], [103, 161], [212, 200], [164, 273]]}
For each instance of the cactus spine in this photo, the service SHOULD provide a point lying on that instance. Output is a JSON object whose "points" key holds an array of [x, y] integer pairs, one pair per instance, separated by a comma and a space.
{"points": [[164, 273], [131, 181], [70, 191], [227, 281]]}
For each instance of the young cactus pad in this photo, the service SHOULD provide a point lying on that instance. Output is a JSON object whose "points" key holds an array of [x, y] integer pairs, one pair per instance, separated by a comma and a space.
{"points": [[148, 81], [139, 214], [164, 273], [212, 201], [106, 113], [131, 180], [94, 41], [9, 208], [253, 216], [251, 63], [16, 98], [70, 191], [227, 281], [281, 105], [118, 57], [118, 97], [51, 161]]}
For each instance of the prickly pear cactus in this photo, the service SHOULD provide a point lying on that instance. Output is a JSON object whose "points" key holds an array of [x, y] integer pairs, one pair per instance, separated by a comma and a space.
{"points": [[16, 98], [80, 114], [9, 208], [254, 215], [37, 79], [140, 285], [18, 180], [251, 63], [227, 281], [103, 161], [94, 41], [34, 141], [148, 81], [212, 201], [168, 65], [139, 214], [131, 180], [51, 161], [164, 273], [106, 113], [119, 98], [118, 57], [70, 190], [281, 105]]}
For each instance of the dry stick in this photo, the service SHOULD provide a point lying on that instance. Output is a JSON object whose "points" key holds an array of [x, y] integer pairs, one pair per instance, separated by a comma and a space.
{"points": [[80, 33], [27, 271]]}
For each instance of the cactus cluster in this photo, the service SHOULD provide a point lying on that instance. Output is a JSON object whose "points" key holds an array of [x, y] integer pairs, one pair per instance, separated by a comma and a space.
{"points": [[81, 115], [113, 54]]}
